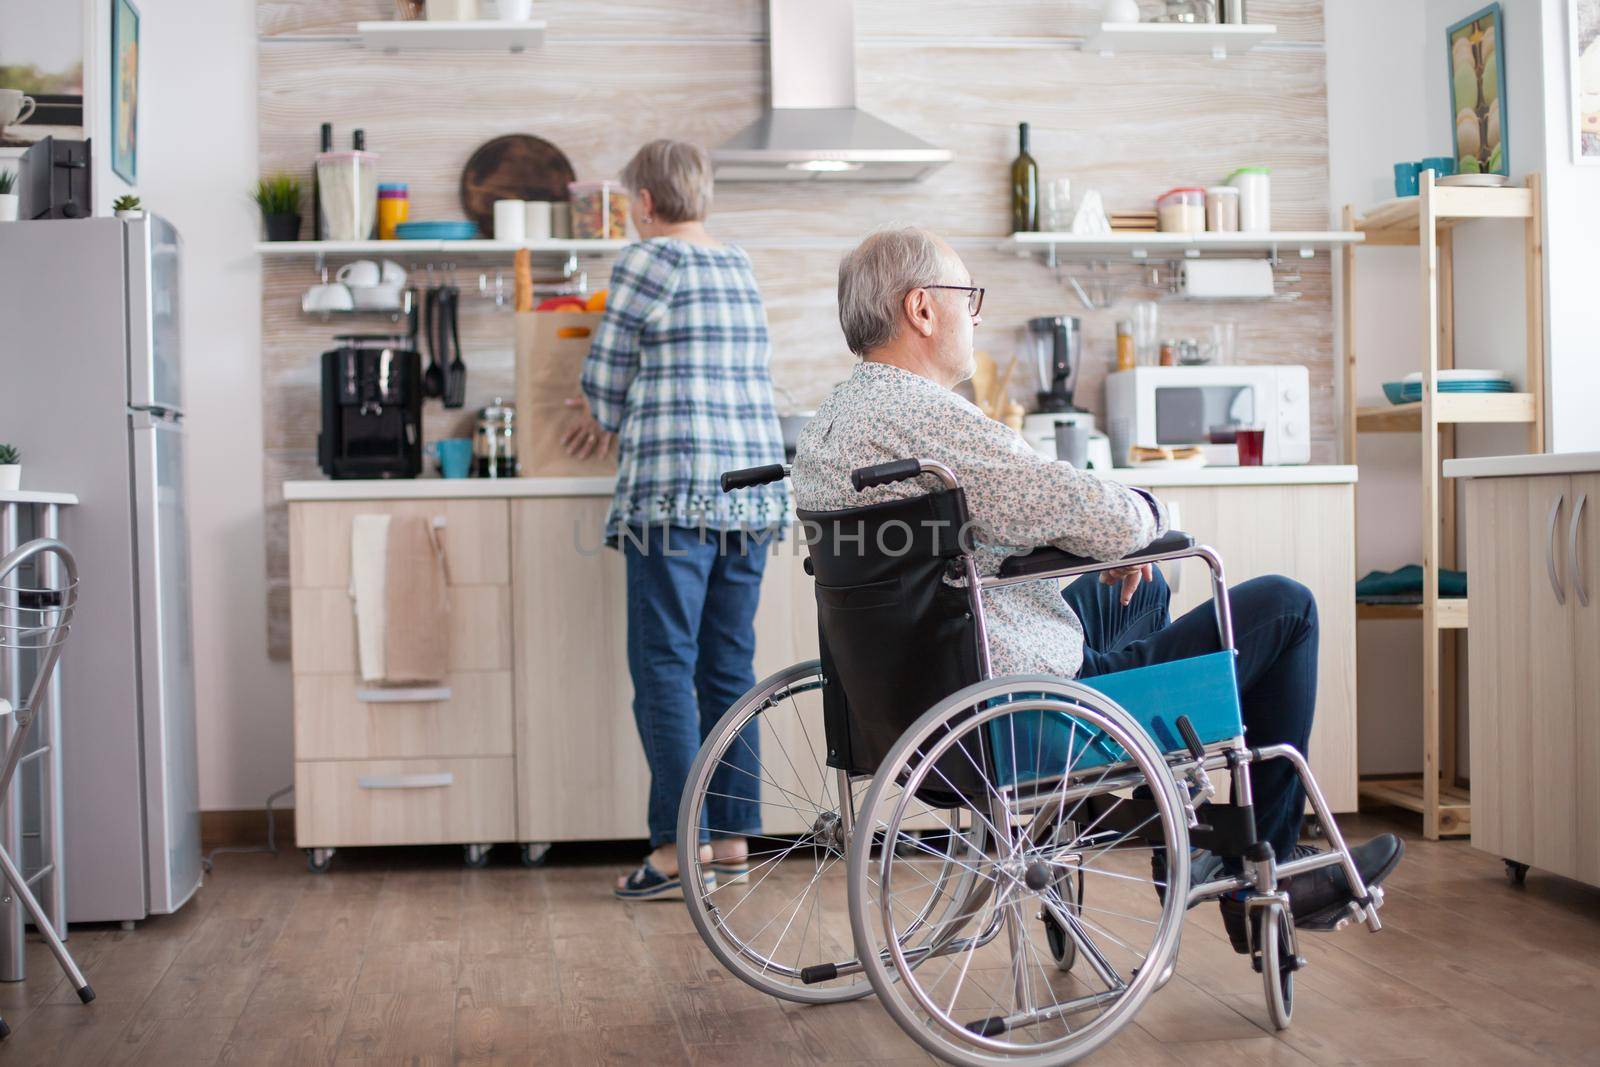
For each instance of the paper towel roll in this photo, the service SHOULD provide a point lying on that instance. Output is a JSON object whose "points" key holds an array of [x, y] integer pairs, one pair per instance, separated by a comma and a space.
{"points": [[1216, 279]]}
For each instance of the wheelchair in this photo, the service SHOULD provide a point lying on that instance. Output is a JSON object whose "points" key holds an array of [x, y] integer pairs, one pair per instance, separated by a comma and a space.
{"points": [[1003, 860]]}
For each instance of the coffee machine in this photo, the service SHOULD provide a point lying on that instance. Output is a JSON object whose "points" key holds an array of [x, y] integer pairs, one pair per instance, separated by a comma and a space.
{"points": [[371, 409], [1057, 342]]}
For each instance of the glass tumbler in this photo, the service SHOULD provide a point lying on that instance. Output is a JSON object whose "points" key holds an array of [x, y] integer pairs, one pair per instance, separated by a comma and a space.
{"points": [[1146, 332]]}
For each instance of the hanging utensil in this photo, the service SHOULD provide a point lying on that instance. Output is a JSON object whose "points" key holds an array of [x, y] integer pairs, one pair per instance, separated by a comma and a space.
{"points": [[455, 394], [433, 377]]}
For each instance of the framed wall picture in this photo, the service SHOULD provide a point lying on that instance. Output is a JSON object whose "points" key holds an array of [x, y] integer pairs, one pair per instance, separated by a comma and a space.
{"points": [[125, 90], [1583, 30], [1478, 92]]}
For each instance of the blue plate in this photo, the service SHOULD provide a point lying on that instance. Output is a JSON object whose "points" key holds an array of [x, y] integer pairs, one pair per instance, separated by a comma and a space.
{"points": [[1411, 392], [442, 230]]}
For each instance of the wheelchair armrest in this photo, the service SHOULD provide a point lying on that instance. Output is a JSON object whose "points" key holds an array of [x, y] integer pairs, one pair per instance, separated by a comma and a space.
{"points": [[1050, 560]]}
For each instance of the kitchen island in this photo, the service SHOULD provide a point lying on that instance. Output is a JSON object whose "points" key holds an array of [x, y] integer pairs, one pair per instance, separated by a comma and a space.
{"points": [[531, 738]]}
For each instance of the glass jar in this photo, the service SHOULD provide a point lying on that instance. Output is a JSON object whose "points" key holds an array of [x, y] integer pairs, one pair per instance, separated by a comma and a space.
{"points": [[599, 210], [1182, 210], [1189, 11], [1222, 209], [494, 441]]}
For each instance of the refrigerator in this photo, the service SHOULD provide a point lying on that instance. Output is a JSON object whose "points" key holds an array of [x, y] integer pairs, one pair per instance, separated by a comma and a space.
{"points": [[90, 392]]}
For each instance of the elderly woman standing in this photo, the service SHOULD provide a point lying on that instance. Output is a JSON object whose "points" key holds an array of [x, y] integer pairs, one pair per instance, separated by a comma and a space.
{"points": [[678, 372]]}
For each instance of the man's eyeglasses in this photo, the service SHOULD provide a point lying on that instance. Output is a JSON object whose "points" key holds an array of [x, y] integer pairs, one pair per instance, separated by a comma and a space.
{"points": [[974, 296]]}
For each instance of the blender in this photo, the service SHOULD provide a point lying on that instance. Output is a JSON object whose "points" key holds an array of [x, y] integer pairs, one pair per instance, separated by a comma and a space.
{"points": [[1056, 341]]}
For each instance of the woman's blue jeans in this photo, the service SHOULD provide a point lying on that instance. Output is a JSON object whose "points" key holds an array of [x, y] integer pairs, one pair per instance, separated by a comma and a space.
{"points": [[692, 598], [1275, 633]]}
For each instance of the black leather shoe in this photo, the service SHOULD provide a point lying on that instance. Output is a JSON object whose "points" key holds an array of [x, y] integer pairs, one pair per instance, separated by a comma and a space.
{"points": [[1318, 898]]}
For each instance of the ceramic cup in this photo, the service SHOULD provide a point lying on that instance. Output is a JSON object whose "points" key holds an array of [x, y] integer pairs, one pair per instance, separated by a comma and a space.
{"points": [[1072, 443], [15, 107], [1442, 166], [509, 219], [515, 10], [360, 274], [384, 296], [330, 296], [454, 456], [392, 273], [1405, 178], [536, 220]]}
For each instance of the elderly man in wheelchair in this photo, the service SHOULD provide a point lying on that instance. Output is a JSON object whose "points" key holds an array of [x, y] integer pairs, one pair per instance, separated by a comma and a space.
{"points": [[991, 799]]}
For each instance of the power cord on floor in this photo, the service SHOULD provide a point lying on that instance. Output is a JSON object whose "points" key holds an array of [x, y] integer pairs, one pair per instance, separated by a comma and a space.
{"points": [[271, 845]]}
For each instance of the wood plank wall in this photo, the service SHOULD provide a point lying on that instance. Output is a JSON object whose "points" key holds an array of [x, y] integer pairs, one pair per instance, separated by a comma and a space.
{"points": [[613, 75]]}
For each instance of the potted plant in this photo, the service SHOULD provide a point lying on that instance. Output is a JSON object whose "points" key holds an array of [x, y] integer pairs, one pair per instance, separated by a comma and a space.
{"points": [[8, 197], [278, 197], [10, 467], [128, 207]]}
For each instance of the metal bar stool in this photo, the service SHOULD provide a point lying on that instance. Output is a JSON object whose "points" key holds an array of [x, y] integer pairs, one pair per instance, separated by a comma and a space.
{"points": [[35, 618]]}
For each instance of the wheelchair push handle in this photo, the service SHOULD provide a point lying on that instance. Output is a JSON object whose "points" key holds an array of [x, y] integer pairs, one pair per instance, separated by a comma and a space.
{"points": [[750, 476], [900, 470]]}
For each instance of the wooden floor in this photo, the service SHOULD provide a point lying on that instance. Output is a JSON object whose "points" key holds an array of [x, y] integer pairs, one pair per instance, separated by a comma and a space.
{"points": [[406, 957]]}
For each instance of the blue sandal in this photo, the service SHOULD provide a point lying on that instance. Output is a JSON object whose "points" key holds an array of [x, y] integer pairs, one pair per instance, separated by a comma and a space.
{"points": [[647, 883]]}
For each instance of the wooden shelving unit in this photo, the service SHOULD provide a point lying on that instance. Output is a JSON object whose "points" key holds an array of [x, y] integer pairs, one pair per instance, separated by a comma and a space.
{"points": [[1428, 221]]}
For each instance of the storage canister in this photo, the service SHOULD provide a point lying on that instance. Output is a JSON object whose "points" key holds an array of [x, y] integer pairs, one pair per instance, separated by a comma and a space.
{"points": [[599, 210], [1222, 209], [349, 186], [394, 207], [1182, 210], [1255, 198]]}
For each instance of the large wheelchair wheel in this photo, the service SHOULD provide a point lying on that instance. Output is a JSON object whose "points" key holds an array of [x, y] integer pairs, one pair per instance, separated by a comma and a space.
{"points": [[987, 987], [782, 925]]}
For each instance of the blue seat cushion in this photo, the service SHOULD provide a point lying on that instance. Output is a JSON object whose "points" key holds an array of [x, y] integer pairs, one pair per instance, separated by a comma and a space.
{"points": [[1041, 744]]}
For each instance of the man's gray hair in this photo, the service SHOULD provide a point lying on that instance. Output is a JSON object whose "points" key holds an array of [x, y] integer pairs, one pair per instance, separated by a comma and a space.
{"points": [[874, 279], [678, 175]]}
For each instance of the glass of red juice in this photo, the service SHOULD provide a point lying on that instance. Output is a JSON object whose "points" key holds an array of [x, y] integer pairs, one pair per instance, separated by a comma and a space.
{"points": [[1251, 441]]}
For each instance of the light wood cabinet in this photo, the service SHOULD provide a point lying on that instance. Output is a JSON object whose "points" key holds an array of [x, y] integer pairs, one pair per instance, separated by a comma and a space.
{"points": [[372, 770], [1303, 532], [1533, 559]]}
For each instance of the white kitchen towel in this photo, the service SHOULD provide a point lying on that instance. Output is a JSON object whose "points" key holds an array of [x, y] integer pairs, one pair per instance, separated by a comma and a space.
{"points": [[369, 564], [1219, 279]]}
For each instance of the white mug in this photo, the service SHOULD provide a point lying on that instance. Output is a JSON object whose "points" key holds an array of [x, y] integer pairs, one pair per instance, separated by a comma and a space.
{"points": [[384, 297], [15, 107], [508, 220], [329, 296], [360, 274], [536, 224], [515, 10], [392, 273]]}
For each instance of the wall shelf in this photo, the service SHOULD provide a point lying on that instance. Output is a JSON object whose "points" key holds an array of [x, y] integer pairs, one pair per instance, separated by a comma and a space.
{"points": [[553, 249], [480, 35], [1164, 246], [1213, 39], [1395, 222], [1448, 408], [1451, 612]]}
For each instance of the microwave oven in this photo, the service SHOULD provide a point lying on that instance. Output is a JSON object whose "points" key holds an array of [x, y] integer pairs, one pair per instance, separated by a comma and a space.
{"points": [[1178, 406]]}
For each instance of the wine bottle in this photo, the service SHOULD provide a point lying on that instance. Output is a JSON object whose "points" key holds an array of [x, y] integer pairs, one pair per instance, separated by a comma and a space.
{"points": [[1024, 187], [316, 185]]}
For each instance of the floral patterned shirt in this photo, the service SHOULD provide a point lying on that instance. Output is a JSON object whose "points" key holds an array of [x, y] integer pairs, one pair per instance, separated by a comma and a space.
{"points": [[1019, 500]]}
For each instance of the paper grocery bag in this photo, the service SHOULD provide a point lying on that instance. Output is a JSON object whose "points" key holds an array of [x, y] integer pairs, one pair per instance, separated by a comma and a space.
{"points": [[551, 347]]}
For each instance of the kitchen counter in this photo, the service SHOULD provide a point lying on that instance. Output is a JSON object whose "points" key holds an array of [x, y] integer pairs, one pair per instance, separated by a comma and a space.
{"points": [[502, 488], [1523, 466]]}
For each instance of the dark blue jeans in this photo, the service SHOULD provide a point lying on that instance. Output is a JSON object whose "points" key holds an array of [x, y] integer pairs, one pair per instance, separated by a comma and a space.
{"points": [[692, 598], [1275, 633]]}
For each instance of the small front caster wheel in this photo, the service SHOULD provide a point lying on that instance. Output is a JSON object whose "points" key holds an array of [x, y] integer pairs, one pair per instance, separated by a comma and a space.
{"points": [[534, 853], [476, 855], [318, 859], [1516, 872]]}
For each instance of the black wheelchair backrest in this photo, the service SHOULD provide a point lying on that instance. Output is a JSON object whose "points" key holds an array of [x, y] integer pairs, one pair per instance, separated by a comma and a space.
{"points": [[895, 637]]}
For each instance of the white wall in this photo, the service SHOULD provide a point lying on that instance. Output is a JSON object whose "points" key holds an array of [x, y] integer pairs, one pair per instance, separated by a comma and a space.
{"points": [[1572, 254], [197, 145]]}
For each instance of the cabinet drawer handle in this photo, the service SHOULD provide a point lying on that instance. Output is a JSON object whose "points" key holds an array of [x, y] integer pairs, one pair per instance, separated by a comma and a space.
{"points": [[1572, 551], [406, 781], [1550, 550], [413, 695]]}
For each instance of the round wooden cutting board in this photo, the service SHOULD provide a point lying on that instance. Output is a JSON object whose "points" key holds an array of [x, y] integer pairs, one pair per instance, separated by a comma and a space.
{"points": [[518, 166]]}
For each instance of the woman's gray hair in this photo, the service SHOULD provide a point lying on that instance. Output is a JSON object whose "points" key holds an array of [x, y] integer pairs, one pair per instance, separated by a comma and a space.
{"points": [[678, 175], [874, 279]]}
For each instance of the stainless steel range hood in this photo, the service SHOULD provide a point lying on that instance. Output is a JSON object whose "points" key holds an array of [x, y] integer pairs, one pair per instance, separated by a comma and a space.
{"points": [[813, 130]]}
